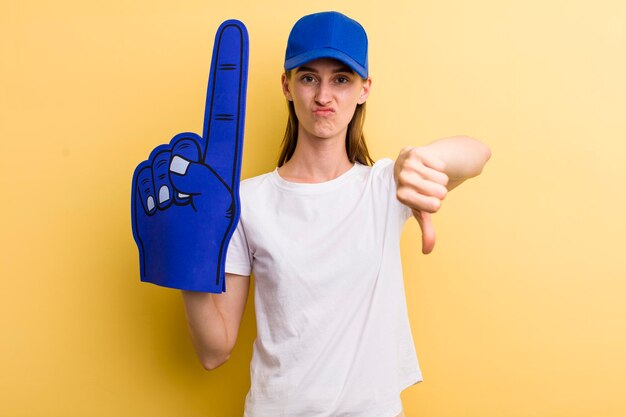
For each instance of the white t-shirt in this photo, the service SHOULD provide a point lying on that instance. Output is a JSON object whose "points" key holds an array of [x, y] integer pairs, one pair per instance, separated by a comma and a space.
{"points": [[333, 336]]}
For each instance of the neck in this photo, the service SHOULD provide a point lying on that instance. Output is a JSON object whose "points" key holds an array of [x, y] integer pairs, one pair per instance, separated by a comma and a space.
{"points": [[316, 159]]}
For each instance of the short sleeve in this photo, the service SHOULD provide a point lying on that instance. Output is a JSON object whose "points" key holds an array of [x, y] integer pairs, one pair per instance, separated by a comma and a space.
{"points": [[238, 259], [388, 183]]}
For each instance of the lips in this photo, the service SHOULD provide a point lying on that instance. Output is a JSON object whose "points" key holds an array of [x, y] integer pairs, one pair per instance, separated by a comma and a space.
{"points": [[323, 111]]}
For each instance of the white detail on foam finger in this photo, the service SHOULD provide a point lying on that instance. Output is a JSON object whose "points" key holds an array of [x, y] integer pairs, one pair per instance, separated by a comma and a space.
{"points": [[179, 165], [164, 194], [150, 203]]}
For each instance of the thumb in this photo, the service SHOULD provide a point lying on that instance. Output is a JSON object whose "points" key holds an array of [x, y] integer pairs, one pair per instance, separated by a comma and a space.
{"points": [[194, 178], [207, 190], [428, 230]]}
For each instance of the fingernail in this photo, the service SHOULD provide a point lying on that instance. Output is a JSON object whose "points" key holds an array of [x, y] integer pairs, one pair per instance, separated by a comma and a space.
{"points": [[164, 194], [150, 203], [179, 165]]}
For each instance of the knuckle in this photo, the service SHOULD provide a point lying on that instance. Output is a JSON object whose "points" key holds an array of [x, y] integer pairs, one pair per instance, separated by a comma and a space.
{"points": [[403, 177], [443, 193], [402, 195], [156, 152], [415, 152], [435, 205]]}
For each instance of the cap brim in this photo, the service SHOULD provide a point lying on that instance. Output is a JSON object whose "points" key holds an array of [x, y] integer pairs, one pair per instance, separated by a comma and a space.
{"points": [[309, 56]]}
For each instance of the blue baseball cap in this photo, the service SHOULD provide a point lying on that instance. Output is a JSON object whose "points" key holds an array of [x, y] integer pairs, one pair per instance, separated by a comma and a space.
{"points": [[327, 35]]}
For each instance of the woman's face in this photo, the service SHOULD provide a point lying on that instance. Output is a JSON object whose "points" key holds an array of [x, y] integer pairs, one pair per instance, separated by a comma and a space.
{"points": [[325, 93]]}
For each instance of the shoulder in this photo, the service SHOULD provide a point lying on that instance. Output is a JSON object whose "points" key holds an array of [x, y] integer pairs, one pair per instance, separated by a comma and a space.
{"points": [[383, 165], [254, 183], [382, 172], [381, 168]]}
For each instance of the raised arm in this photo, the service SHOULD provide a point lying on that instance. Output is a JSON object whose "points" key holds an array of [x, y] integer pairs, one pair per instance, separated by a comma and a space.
{"points": [[425, 174], [214, 320]]}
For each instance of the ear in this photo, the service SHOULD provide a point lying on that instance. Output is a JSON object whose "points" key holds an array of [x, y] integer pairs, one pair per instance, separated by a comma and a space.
{"points": [[285, 84], [365, 90]]}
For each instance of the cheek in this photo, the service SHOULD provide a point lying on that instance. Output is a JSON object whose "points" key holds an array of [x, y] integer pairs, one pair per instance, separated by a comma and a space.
{"points": [[351, 97], [299, 108], [349, 114], [350, 107], [299, 99]]}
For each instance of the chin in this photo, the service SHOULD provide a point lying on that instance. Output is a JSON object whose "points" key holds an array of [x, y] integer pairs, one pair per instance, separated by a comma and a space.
{"points": [[326, 133]]}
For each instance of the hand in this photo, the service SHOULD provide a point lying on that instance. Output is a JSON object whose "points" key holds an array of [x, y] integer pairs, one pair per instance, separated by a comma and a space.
{"points": [[421, 185], [185, 197]]}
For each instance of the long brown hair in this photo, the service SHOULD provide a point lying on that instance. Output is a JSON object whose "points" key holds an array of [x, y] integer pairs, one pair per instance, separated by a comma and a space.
{"points": [[356, 148]]}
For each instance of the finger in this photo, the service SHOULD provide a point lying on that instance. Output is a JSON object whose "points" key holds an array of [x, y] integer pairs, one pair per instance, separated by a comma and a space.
{"points": [[428, 231], [427, 172], [143, 188], [431, 160], [423, 185], [205, 188], [193, 179], [439, 177], [187, 147], [417, 201], [226, 102], [160, 161]]}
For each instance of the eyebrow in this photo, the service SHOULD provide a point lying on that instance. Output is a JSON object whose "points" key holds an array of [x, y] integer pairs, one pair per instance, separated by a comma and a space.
{"points": [[343, 68]]}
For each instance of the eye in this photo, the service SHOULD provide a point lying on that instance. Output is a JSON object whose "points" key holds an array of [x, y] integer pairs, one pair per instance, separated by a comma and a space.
{"points": [[307, 79], [342, 79]]}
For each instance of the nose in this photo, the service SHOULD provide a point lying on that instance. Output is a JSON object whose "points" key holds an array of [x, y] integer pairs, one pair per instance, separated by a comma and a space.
{"points": [[323, 94]]}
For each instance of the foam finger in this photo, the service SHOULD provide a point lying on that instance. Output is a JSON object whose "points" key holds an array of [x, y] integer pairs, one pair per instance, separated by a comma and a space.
{"points": [[144, 188], [164, 192], [184, 148], [226, 102]]}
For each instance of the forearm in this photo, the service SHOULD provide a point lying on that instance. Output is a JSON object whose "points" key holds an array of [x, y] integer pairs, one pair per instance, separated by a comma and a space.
{"points": [[208, 330], [464, 157]]}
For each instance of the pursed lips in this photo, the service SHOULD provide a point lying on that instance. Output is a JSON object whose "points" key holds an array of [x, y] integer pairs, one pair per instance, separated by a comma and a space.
{"points": [[323, 111]]}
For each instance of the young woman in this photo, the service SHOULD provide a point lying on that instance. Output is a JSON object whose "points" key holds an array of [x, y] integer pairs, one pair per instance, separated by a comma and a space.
{"points": [[321, 234]]}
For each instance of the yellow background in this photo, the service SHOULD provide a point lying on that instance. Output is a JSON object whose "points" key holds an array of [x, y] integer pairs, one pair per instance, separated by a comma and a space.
{"points": [[520, 310]]}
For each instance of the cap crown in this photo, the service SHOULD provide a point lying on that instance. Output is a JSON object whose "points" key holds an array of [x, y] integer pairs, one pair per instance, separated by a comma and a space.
{"points": [[328, 35]]}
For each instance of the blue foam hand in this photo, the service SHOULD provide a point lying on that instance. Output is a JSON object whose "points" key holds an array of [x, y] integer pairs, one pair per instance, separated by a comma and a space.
{"points": [[185, 197]]}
